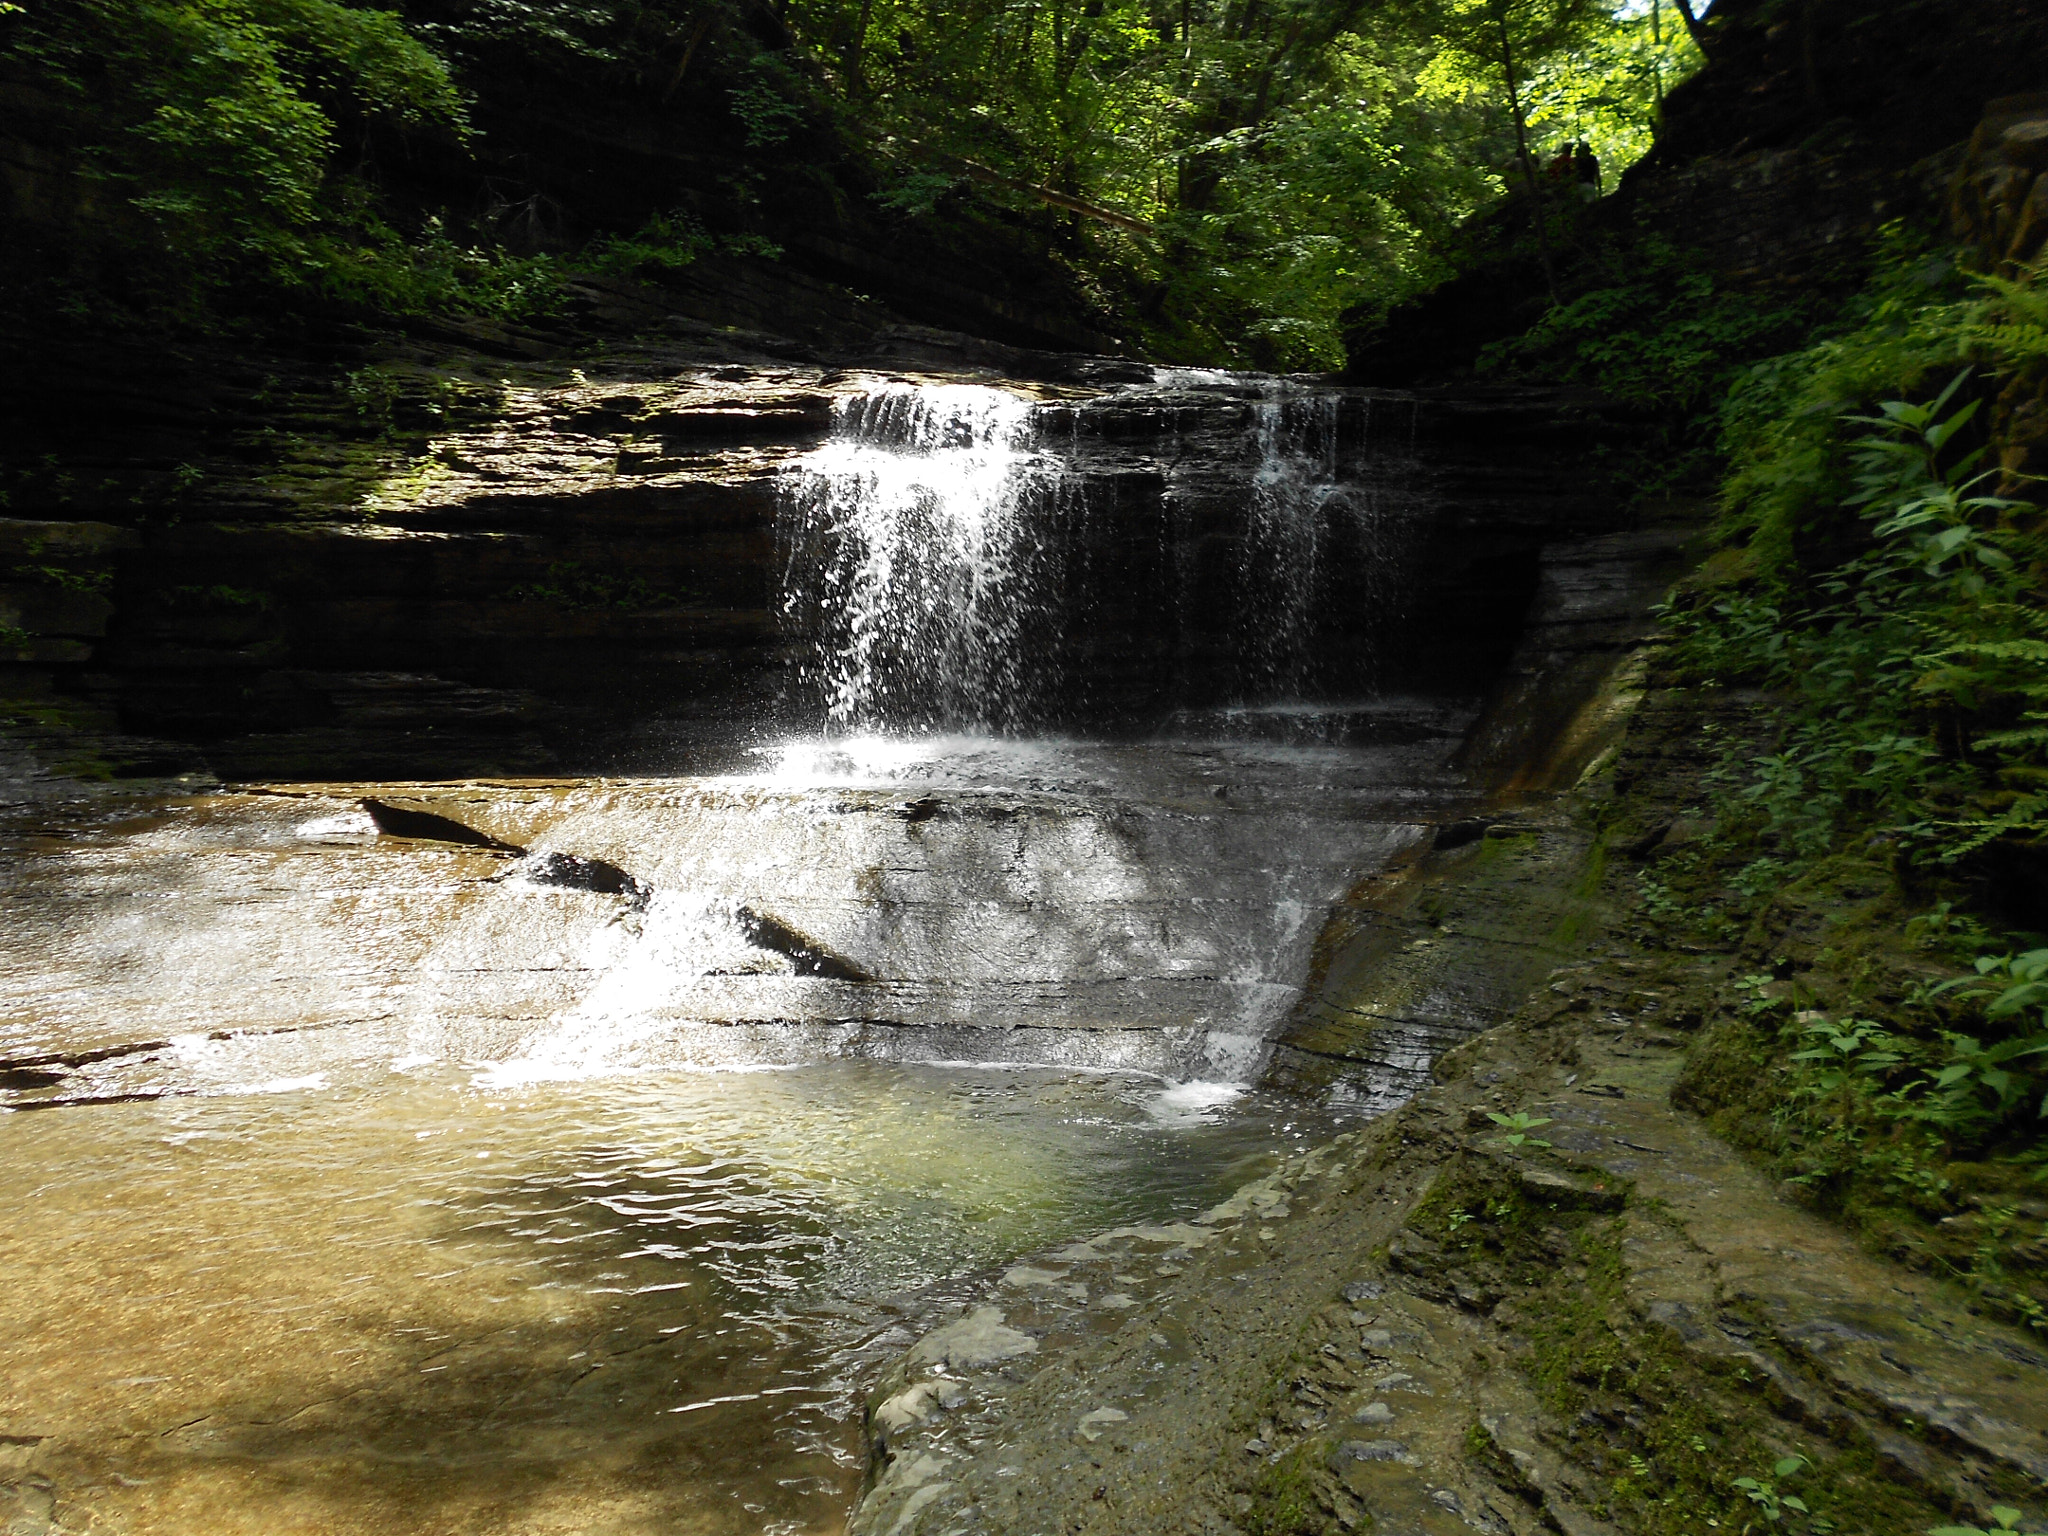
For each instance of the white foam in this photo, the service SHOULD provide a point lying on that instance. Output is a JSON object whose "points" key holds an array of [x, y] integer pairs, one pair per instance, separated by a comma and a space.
{"points": [[349, 825], [315, 1082], [1192, 1103], [920, 559]]}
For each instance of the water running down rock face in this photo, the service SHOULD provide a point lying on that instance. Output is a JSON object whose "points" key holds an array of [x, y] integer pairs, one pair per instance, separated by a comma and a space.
{"points": [[951, 553], [497, 1105], [924, 559]]}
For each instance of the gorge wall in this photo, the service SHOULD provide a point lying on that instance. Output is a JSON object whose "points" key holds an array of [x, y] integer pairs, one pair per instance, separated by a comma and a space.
{"points": [[445, 561]]}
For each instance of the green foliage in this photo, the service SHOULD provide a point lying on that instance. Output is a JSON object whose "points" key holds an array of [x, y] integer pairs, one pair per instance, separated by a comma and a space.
{"points": [[367, 262], [1911, 639], [1284, 1501], [207, 130], [1889, 596], [92, 579], [1656, 329], [1772, 1503], [1607, 85], [216, 599], [1229, 179], [569, 584], [668, 242], [1518, 1126], [1668, 1430], [1785, 423], [2003, 1518], [1291, 161]]}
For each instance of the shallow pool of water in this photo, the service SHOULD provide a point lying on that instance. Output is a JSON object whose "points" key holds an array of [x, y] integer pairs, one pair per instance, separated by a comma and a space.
{"points": [[399, 1302], [362, 1183]]}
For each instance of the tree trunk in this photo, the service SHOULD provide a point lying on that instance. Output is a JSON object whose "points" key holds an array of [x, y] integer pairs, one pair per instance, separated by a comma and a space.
{"points": [[855, 86], [1537, 208], [1657, 55], [1693, 26]]}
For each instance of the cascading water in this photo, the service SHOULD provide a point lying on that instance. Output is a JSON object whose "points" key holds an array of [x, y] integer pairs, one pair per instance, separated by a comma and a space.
{"points": [[1315, 540], [546, 1245], [957, 557], [920, 544]]}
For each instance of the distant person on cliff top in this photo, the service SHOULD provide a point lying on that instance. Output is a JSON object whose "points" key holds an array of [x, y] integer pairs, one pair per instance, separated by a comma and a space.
{"points": [[1586, 170]]}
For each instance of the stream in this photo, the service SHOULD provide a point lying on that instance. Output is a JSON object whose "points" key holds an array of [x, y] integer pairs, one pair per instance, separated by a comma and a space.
{"points": [[577, 1176]]}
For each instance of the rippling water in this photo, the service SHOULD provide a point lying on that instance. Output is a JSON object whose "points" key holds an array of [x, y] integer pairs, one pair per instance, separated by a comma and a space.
{"points": [[632, 1303], [366, 1185]]}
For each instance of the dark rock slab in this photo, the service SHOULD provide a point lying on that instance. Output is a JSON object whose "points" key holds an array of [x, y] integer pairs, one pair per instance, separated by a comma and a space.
{"points": [[426, 826], [806, 956]]}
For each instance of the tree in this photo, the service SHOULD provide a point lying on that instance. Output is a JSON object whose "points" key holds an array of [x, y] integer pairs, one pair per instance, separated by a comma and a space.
{"points": [[1500, 42]]}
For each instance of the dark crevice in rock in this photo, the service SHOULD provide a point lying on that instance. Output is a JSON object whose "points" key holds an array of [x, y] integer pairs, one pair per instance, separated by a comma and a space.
{"points": [[806, 955], [72, 1060], [574, 872], [425, 826]]}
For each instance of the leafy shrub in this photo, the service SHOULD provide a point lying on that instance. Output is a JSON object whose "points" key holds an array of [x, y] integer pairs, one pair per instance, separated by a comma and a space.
{"points": [[206, 131], [1889, 595]]}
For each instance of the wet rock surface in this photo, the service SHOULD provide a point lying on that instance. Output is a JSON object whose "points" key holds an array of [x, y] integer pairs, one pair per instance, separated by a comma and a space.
{"points": [[1421, 1328]]}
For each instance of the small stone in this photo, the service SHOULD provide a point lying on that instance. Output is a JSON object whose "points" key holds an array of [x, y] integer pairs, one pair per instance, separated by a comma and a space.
{"points": [[1023, 1277], [975, 1342], [1376, 1339], [1448, 1499], [1169, 1270], [911, 1406], [1114, 1301], [1095, 1422], [1375, 1413], [1363, 1290], [1255, 1447], [1368, 1450]]}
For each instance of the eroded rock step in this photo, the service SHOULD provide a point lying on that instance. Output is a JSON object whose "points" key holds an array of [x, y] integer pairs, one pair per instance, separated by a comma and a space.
{"points": [[683, 922], [1422, 1328]]}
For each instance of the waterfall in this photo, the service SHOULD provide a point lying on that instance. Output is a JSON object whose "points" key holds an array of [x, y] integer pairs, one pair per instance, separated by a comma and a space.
{"points": [[1319, 541], [960, 558], [921, 554]]}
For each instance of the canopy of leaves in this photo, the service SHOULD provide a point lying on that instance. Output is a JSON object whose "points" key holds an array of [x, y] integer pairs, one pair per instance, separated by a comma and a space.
{"points": [[1292, 158], [1224, 177], [208, 131]]}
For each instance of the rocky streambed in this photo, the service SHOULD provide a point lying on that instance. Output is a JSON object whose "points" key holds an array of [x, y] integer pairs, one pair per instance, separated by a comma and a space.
{"points": [[1536, 1297], [1155, 950]]}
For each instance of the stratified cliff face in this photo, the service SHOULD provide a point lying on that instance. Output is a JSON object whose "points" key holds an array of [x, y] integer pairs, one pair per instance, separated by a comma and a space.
{"points": [[1812, 125], [450, 562]]}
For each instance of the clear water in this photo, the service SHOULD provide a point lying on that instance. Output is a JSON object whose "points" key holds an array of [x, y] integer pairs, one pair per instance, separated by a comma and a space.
{"points": [[367, 1185], [398, 1302]]}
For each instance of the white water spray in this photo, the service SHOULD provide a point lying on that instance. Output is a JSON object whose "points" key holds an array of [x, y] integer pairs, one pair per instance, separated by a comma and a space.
{"points": [[920, 545], [1318, 537]]}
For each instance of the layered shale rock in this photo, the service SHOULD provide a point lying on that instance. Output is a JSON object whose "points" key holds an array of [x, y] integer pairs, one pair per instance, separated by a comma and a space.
{"points": [[440, 561]]}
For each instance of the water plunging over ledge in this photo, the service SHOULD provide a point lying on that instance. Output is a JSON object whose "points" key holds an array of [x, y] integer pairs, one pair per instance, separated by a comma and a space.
{"points": [[924, 546], [397, 1185], [958, 557]]}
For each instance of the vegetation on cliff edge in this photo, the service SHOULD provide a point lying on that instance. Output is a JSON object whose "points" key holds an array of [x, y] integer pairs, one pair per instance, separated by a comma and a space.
{"points": [[1878, 850], [1221, 178]]}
